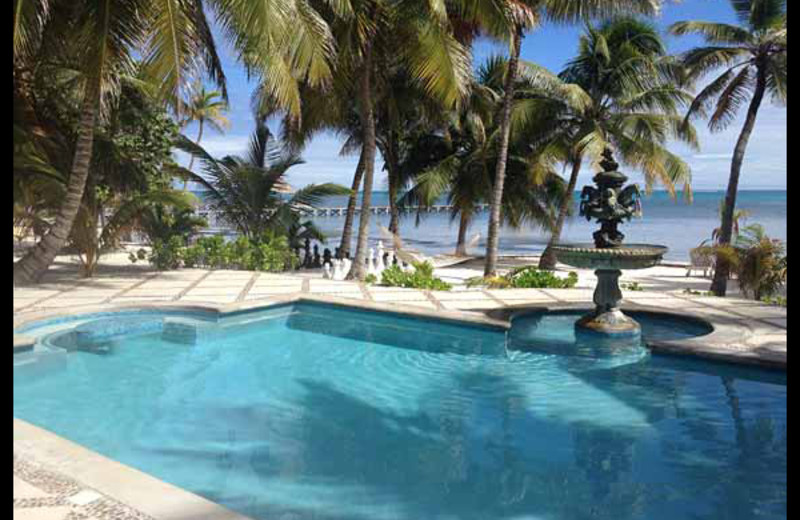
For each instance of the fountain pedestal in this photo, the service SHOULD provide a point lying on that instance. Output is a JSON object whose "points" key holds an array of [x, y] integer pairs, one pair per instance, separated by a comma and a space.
{"points": [[607, 316]]}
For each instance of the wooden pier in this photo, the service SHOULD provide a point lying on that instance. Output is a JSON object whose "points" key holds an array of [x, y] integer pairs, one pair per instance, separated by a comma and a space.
{"points": [[210, 215]]}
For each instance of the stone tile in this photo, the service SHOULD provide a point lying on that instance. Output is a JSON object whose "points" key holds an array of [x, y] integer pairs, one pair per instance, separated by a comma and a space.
{"points": [[24, 490], [142, 299], [473, 295], [427, 304], [521, 294], [570, 295], [778, 322], [471, 304], [278, 289], [334, 289], [398, 296], [42, 513], [270, 282], [211, 293]]}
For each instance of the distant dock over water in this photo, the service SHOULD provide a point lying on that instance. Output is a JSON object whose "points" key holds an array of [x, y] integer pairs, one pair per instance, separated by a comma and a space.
{"points": [[341, 211], [386, 210]]}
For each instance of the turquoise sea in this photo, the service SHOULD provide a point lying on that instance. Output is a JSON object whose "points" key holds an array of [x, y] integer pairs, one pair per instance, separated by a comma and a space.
{"points": [[674, 223]]}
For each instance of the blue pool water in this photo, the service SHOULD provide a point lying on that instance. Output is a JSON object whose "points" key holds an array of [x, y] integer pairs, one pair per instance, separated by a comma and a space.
{"points": [[313, 412]]}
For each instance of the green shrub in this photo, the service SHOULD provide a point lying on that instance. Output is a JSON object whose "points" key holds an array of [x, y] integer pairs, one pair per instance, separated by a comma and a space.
{"points": [[526, 278], [167, 255], [421, 278], [632, 286], [760, 263], [533, 278], [780, 301], [371, 279], [267, 253]]}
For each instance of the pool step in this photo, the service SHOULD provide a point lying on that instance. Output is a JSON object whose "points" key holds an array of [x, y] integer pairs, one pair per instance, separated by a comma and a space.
{"points": [[184, 331]]}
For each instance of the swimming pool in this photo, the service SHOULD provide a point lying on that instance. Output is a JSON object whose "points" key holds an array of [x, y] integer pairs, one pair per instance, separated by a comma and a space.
{"points": [[312, 411]]}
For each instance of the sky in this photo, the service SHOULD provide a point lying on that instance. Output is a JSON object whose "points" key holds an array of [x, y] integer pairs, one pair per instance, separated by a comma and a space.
{"points": [[551, 46]]}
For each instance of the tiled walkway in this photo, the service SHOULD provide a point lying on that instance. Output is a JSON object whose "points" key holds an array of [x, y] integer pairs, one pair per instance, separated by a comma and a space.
{"points": [[41, 493]]}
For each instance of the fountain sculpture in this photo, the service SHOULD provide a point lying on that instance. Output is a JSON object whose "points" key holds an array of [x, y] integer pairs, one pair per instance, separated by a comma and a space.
{"points": [[610, 204]]}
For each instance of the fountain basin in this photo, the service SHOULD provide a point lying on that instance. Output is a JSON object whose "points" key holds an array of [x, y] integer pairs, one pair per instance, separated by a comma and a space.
{"points": [[608, 263], [630, 256]]}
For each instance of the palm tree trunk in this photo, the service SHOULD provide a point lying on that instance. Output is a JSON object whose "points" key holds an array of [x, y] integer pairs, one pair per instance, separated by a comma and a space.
{"points": [[463, 226], [359, 270], [347, 232], [720, 283], [548, 259], [191, 159], [34, 264], [500, 175], [391, 163]]}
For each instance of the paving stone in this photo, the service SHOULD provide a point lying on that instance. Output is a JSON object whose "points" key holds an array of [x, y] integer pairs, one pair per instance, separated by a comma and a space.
{"points": [[398, 296], [417, 303], [42, 513], [23, 489], [266, 291], [471, 304]]}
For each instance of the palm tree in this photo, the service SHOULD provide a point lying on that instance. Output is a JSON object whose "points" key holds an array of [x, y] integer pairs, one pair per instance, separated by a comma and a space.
{"points": [[456, 161], [621, 91], [525, 15], [753, 58], [249, 191], [205, 107], [171, 35], [369, 37]]}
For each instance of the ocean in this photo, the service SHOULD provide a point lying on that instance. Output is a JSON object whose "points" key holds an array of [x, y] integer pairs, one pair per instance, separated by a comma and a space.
{"points": [[675, 223]]}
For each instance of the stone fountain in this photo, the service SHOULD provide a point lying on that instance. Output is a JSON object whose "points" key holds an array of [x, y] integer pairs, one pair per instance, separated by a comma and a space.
{"points": [[610, 204]]}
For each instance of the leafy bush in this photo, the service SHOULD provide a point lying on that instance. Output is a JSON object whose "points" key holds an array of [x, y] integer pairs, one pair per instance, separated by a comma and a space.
{"points": [[760, 263], [167, 255], [632, 286], [526, 278], [421, 278], [533, 278], [780, 301], [268, 253]]}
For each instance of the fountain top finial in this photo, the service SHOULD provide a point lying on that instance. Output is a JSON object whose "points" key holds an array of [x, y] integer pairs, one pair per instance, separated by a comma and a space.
{"points": [[609, 202], [608, 163]]}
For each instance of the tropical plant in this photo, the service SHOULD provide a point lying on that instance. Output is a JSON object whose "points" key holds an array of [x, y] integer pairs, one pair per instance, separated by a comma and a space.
{"points": [[753, 58], [622, 92], [249, 192], [91, 240], [759, 262], [522, 16], [97, 40], [268, 252], [160, 222], [738, 215], [528, 277], [418, 35], [421, 277], [457, 159], [204, 108]]}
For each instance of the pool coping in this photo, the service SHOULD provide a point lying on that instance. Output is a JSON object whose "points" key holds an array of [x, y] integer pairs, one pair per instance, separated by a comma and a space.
{"points": [[163, 501]]}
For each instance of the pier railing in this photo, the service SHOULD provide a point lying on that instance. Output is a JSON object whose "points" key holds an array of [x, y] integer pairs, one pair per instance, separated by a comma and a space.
{"points": [[214, 218]]}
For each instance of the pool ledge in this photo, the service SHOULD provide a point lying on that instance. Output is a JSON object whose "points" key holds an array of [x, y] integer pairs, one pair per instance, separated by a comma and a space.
{"points": [[725, 343], [23, 341], [144, 493]]}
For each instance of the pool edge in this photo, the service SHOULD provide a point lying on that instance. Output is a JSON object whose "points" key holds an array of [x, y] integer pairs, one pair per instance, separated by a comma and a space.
{"points": [[132, 487]]}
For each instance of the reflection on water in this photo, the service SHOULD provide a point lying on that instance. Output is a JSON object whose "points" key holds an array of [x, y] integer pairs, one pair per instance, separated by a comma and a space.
{"points": [[280, 423]]}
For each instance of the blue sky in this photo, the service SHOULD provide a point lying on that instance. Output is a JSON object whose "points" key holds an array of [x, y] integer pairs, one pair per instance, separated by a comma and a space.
{"points": [[550, 46]]}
